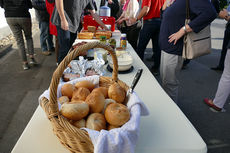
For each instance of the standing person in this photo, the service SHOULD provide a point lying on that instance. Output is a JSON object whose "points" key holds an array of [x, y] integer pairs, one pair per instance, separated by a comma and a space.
{"points": [[223, 89], [130, 8], [172, 31], [52, 28], [46, 39], [150, 12], [19, 20], [220, 66], [113, 5], [66, 16]]}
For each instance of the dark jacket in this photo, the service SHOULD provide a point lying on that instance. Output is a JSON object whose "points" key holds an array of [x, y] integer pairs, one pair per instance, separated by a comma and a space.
{"points": [[202, 13], [16, 8], [40, 10], [114, 7]]}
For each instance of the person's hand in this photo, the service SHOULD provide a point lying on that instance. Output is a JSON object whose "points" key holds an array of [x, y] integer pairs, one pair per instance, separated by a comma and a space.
{"points": [[176, 36], [110, 1], [132, 20], [64, 25], [223, 14]]}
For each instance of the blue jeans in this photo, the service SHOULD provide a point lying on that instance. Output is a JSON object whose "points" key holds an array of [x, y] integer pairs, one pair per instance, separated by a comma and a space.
{"points": [[65, 40], [46, 39], [150, 30]]}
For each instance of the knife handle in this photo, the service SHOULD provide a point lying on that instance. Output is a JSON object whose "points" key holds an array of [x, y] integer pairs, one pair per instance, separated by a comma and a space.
{"points": [[136, 79]]}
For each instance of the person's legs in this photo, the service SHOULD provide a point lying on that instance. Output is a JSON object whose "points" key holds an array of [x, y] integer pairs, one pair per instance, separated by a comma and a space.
{"points": [[64, 43], [155, 44], [43, 35], [169, 71], [144, 37], [49, 38], [223, 89], [27, 28], [17, 32], [133, 34]]}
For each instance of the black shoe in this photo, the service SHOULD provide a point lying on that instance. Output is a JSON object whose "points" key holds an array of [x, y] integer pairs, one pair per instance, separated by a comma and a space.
{"points": [[218, 68], [150, 59]]}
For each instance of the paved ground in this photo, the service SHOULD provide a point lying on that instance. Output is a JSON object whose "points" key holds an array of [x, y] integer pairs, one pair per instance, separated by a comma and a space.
{"points": [[20, 90]]}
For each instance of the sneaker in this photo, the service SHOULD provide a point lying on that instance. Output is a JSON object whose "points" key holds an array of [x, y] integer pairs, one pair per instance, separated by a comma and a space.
{"points": [[25, 66], [210, 103], [46, 53], [33, 61], [155, 71]]}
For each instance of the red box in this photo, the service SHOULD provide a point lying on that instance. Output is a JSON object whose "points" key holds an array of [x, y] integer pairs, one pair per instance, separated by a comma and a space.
{"points": [[89, 21]]}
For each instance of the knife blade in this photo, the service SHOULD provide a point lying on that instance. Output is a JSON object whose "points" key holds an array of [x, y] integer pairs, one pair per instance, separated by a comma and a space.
{"points": [[133, 85]]}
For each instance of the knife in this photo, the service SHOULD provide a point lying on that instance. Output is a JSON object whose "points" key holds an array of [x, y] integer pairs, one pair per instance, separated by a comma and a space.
{"points": [[134, 83]]}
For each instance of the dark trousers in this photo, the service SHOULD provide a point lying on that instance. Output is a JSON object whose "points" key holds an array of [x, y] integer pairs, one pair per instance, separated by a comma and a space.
{"points": [[65, 40], [132, 33], [46, 39], [224, 46], [150, 30]]}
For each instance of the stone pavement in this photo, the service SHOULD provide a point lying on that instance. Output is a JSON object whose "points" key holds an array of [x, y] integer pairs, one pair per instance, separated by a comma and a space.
{"points": [[20, 90]]}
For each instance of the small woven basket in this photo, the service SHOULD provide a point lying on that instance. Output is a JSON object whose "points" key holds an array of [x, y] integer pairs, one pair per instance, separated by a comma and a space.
{"points": [[73, 138]]}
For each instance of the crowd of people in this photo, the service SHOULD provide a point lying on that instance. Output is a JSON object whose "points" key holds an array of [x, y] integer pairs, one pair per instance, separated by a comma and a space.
{"points": [[162, 21]]}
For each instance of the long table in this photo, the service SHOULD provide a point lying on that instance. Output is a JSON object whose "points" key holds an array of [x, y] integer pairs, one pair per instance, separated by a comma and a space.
{"points": [[165, 130]]}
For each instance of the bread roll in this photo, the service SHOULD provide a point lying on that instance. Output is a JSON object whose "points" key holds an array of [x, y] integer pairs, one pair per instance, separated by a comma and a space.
{"points": [[98, 34], [110, 127], [63, 99], [80, 124], [87, 84], [80, 94], [67, 90], [96, 121], [107, 102], [103, 90], [96, 102], [75, 111], [91, 28], [85, 35], [117, 114], [116, 92]]}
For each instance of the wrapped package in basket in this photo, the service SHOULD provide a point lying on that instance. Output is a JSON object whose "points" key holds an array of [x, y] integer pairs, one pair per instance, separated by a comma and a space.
{"points": [[89, 114]]}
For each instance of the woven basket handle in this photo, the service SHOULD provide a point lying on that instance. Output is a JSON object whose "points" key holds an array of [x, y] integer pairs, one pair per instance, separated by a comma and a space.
{"points": [[72, 55]]}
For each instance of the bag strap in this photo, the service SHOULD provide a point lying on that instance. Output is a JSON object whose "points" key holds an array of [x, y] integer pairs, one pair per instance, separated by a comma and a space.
{"points": [[187, 10]]}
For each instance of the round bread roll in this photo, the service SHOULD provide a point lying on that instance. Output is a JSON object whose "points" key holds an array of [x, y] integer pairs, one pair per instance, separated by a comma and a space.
{"points": [[96, 121], [67, 90], [110, 127], [87, 84], [75, 111], [96, 102], [63, 99], [80, 94], [103, 90], [117, 114], [107, 102], [116, 92], [80, 124]]}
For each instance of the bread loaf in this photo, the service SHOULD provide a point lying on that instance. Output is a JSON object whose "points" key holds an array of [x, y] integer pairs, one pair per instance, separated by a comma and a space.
{"points": [[80, 94], [96, 102], [103, 90], [116, 92], [87, 84], [67, 90], [80, 124], [98, 34], [63, 99], [117, 114], [85, 35], [75, 110], [91, 28], [96, 121]]}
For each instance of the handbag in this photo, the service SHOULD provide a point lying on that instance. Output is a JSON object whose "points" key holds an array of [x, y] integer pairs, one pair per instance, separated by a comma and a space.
{"points": [[196, 44]]}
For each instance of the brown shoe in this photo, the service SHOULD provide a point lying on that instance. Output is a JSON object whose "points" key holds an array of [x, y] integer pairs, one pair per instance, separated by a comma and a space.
{"points": [[46, 53]]}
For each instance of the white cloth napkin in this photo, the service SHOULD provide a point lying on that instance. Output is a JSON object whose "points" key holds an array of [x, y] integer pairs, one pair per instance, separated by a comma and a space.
{"points": [[119, 140]]}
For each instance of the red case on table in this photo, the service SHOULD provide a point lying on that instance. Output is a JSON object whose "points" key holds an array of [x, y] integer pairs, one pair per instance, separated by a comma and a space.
{"points": [[89, 21]]}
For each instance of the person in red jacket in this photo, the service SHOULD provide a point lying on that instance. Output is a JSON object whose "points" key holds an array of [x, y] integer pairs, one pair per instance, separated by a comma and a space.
{"points": [[52, 28]]}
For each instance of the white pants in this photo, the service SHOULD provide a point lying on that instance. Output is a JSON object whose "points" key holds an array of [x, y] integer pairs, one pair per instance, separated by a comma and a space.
{"points": [[169, 70], [223, 89]]}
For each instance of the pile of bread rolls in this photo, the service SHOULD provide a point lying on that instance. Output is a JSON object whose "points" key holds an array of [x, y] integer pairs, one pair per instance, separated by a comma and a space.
{"points": [[94, 108]]}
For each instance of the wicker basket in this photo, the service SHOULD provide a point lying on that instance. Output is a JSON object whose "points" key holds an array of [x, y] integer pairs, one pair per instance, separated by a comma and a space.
{"points": [[73, 138]]}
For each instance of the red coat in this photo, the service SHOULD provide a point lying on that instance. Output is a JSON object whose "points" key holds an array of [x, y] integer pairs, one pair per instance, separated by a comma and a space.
{"points": [[50, 8]]}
